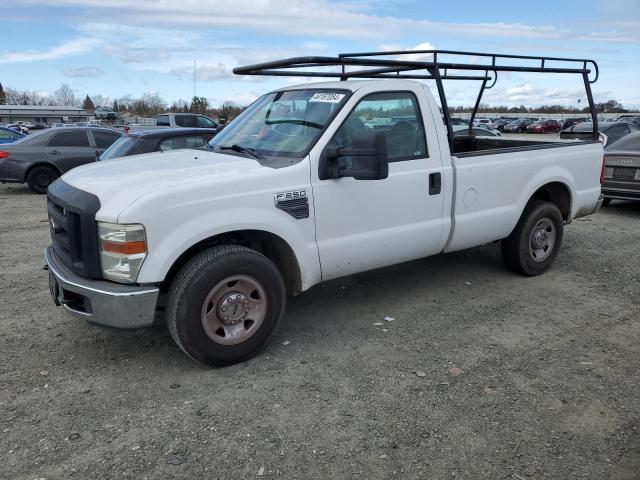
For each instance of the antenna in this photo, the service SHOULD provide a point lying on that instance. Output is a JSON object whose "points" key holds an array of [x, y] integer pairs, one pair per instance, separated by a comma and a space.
{"points": [[194, 78]]}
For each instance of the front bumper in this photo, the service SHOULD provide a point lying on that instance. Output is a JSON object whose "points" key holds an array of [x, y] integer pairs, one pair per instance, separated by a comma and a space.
{"points": [[98, 301]]}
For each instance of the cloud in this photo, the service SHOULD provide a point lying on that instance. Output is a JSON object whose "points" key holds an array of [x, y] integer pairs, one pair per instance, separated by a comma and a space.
{"points": [[66, 49], [80, 72], [319, 18]]}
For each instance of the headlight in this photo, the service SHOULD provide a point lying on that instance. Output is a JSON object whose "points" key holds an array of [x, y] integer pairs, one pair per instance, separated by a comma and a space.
{"points": [[123, 248]]}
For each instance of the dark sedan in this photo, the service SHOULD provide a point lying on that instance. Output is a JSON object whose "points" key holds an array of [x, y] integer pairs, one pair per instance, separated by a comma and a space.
{"points": [[42, 157], [609, 131], [517, 126], [622, 169], [570, 122], [159, 140], [544, 126]]}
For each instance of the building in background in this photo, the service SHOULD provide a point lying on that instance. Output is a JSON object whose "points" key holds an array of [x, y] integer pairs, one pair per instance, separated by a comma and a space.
{"points": [[42, 114]]}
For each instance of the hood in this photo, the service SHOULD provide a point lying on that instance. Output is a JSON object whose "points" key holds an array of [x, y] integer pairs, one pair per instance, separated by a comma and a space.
{"points": [[121, 181]]}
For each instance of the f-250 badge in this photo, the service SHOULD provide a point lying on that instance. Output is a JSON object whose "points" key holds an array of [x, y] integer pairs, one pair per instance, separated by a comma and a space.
{"points": [[295, 203]]}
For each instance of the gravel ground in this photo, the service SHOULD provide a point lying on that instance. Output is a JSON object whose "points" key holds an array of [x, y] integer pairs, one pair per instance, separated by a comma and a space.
{"points": [[481, 375]]}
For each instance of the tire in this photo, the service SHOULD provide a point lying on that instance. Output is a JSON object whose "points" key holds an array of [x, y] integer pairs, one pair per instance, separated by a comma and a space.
{"points": [[39, 178], [225, 277], [606, 202], [534, 244]]}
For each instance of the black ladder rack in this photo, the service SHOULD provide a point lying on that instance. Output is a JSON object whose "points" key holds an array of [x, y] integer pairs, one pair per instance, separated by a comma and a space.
{"points": [[364, 65]]}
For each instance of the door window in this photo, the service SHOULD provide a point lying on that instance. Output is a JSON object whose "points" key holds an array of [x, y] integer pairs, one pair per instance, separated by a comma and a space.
{"points": [[104, 139], [70, 139], [176, 143], [397, 115], [162, 121]]}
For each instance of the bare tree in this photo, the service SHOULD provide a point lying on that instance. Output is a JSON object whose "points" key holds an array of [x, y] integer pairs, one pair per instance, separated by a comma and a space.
{"points": [[65, 96]]}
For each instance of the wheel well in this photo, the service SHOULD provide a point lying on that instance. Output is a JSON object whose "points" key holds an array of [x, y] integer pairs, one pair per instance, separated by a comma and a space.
{"points": [[41, 164], [268, 244], [558, 194]]}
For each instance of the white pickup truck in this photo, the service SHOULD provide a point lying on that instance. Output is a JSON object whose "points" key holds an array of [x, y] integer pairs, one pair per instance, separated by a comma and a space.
{"points": [[310, 183]]}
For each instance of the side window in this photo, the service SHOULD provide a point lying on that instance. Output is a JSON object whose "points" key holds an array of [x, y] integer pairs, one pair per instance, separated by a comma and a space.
{"points": [[70, 139], [176, 143], [614, 133], [162, 121], [186, 121], [397, 115], [9, 135], [204, 122], [104, 139]]}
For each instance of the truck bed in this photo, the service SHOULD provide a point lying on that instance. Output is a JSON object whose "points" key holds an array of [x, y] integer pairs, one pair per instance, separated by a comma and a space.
{"points": [[469, 145]]}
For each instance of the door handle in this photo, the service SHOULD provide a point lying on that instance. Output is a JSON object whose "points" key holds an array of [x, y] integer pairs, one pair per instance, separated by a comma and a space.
{"points": [[435, 183], [55, 152]]}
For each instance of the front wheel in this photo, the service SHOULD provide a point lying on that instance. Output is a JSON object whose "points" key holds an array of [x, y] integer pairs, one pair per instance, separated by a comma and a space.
{"points": [[225, 304], [533, 245]]}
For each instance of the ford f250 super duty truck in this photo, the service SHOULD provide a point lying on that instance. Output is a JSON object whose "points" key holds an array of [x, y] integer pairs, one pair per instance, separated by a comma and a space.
{"points": [[309, 183]]}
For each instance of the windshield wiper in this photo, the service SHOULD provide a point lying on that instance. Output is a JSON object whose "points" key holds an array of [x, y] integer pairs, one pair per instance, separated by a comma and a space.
{"points": [[242, 149]]}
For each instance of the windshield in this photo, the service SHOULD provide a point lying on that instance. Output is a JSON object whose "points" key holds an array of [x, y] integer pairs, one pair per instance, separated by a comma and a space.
{"points": [[281, 124], [120, 148]]}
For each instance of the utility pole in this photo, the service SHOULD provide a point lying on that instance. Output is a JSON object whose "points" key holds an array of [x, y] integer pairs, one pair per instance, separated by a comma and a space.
{"points": [[194, 78]]}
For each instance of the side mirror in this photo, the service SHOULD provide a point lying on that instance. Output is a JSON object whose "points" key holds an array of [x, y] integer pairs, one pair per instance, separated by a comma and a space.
{"points": [[365, 160]]}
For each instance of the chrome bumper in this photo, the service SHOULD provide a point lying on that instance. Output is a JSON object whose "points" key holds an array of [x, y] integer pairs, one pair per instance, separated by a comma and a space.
{"points": [[98, 301]]}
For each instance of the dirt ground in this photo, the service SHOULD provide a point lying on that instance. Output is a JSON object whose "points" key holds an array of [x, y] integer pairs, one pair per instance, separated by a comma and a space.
{"points": [[481, 375]]}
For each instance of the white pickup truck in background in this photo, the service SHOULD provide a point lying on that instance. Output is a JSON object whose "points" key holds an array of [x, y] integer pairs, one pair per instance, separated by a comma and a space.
{"points": [[174, 120], [310, 183]]}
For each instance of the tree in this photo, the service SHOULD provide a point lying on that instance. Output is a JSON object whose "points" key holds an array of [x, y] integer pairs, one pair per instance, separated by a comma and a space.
{"points": [[199, 105], [115, 106], [88, 104], [3, 96], [65, 96]]}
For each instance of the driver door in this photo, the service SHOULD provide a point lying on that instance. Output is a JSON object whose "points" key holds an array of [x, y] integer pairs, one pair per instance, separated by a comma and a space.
{"points": [[366, 224]]}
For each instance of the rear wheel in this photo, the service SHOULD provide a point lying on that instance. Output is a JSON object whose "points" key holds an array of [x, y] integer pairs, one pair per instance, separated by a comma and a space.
{"points": [[533, 245], [606, 202], [225, 304], [39, 178]]}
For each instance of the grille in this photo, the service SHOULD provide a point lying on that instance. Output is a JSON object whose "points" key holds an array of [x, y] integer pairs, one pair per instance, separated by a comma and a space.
{"points": [[74, 232]]}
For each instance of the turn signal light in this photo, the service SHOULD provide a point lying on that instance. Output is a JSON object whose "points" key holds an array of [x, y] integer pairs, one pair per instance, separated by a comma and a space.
{"points": [[124, 248]]}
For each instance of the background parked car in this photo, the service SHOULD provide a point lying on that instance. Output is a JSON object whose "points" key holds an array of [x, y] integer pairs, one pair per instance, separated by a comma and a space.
{"points": [[159, 141], [483, 121], [517, 126], [42, 157], [461, 130], [19, 127], [635, 119], [609, 131], [9, 135], [499, 123], [570, 122], [622, 169], [459, 121], [105, 113], [544, 126]]}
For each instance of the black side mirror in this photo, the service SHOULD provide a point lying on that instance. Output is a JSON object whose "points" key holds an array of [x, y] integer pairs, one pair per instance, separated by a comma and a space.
{"points": [[365, 160]]}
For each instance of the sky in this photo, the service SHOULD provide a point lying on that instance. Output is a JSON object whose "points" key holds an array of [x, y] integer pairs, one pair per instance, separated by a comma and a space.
{"points": [[119, 47]]}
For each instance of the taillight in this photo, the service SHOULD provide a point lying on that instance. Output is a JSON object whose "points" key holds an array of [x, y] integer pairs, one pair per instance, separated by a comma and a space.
{"points": [[3, 154], [602, 171]]}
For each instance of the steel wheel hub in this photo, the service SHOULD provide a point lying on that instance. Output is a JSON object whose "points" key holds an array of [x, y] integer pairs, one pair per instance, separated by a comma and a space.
{"points": [[542, 240], [234, 310]]}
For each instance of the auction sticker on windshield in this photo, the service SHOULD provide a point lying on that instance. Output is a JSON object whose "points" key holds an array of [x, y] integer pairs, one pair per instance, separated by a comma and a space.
{"points": [[327, 97]]}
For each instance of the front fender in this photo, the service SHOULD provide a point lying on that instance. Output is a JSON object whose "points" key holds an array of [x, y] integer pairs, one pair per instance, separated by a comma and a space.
{"points": [[167, 242]]}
